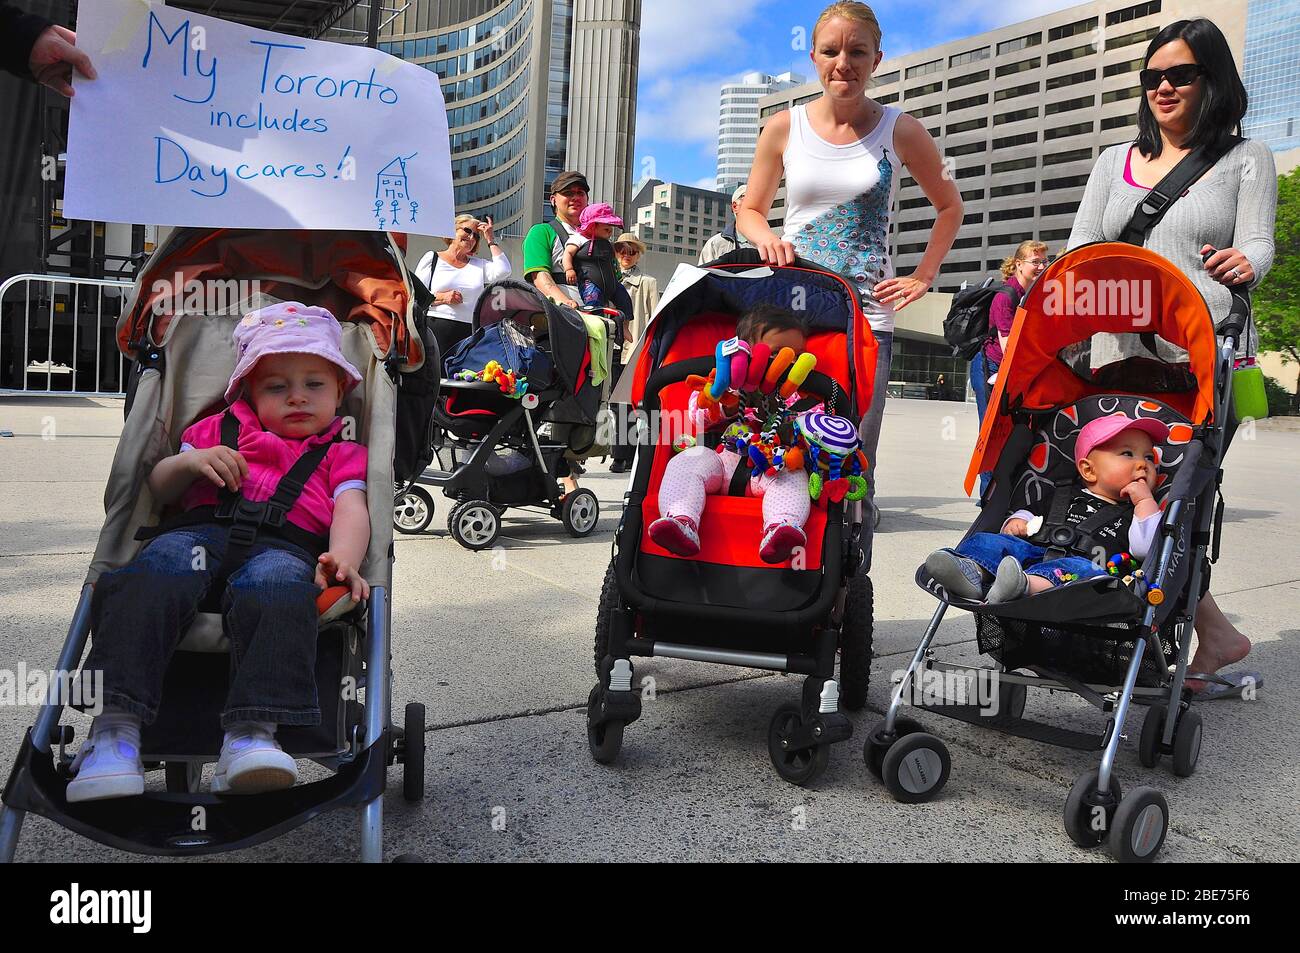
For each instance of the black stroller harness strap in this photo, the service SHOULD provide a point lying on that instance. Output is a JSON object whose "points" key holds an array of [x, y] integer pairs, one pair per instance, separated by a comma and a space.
{"points": [[249, 520], [1062, 538]]}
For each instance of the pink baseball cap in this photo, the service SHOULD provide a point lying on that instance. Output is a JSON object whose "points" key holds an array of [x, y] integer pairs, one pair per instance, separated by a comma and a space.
{"points": [[602, 213], [288, 328], [1104, 429]]}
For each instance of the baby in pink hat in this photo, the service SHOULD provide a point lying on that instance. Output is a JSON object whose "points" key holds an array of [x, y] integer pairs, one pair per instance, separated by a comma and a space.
{"points": [[589, 262], [312, 533], [1112, 508]]}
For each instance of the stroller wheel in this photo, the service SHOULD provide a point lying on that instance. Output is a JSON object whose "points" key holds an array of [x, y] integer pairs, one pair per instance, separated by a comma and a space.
{"points": [[1187, 743], [474, 524], [608, 606], [1089, 814], [580, 512], [412, 511], [1139, 828], [798, 767], [878, 743], [915, 768], [411, 753], [1153, 727], [855, 644], [605, 740]]}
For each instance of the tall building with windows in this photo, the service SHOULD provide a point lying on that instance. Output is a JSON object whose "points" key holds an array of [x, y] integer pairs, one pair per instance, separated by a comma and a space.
{"points": [[677, 219], [738, 123], [532, 87], [1271, 71], [1020, 113]]}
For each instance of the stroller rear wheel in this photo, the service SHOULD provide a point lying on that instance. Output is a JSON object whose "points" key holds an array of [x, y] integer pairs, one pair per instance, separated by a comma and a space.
{"points": [[1153, 727], [1090, 814], [411, 753], [412, 511], [1139, 827], [799, 767], [855, 644], [475, 524]]}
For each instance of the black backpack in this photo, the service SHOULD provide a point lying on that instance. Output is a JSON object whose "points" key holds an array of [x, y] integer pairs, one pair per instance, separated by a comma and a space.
{"points": [[417, 393], [966, 327]]}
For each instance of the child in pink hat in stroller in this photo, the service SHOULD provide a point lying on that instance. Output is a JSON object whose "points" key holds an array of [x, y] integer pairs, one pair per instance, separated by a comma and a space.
{"points": [[278, 450], [589, 263]]}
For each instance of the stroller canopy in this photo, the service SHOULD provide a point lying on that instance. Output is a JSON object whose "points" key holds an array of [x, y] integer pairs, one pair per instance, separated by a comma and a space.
{"points": [[357, 276], [1107, 318], [566, 332]]}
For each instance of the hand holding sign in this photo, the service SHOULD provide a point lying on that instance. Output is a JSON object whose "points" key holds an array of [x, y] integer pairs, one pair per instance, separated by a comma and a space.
{"points": [[196, 121]]}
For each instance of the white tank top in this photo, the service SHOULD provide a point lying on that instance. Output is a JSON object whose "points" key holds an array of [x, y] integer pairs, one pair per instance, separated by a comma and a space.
{"points": [[839, 202]]}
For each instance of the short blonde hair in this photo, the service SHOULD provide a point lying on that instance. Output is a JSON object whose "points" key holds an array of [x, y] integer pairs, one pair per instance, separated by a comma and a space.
{"points": [[1023, 251], [462, 220], [850, 10]]}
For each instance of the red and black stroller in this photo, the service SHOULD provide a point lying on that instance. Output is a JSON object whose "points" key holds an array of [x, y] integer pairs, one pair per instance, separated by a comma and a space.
{"points": [[1108, 329], [724, 605]]}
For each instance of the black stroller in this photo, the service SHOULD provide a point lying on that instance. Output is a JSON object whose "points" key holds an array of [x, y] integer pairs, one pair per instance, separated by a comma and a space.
{"points": [[181, 362], [1112, 640], [724, 605], [505, 442]]}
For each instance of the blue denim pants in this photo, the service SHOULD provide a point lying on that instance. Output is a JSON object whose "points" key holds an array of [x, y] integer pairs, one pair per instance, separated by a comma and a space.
{"points": [[980, 370], [988, 549], [268, 611]]}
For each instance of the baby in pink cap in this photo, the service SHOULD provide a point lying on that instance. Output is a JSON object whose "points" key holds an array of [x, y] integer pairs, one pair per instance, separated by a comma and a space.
{"points": [[589, 262], [312, 533], [1111, 514]]}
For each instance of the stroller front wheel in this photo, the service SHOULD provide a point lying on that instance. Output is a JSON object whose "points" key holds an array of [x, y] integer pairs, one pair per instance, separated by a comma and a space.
{"points": [[1090, 814], [580, 512], [879, 742], [1139, 828], [800, 766], [606, 738], [915, 768], [474, 524]]}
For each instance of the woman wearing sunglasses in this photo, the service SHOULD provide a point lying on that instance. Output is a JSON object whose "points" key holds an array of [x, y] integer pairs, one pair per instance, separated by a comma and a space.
{"points": [[1193, 96], [456, 279]]}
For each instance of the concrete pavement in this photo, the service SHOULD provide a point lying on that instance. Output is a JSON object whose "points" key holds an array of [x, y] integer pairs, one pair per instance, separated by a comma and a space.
{"points": [[498, 646]]}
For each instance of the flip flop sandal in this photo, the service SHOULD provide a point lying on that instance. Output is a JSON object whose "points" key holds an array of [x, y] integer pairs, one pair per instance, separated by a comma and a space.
{"points": [[1226, 685]]}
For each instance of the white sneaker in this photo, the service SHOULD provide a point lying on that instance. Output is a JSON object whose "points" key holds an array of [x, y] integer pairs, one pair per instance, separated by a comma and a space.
{"points": [[108, 764], [252, 762]]}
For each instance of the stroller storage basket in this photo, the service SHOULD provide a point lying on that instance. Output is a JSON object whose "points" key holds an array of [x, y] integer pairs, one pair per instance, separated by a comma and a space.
{"points": [[1098, 655]]}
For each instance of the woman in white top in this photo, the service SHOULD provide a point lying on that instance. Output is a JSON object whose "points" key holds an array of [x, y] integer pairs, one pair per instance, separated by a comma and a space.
{"points": [[456, 279], [841, 156]]}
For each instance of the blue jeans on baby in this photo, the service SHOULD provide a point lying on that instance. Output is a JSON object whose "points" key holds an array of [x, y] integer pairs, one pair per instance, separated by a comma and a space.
{"points": [[988, 549], [268, 612]]}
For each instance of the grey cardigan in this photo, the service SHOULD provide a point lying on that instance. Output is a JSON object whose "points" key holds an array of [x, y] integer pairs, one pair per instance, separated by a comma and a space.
{"points": [[1234, 205]]}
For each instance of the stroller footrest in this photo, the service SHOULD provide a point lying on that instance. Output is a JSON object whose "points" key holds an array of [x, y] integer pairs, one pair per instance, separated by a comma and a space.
{"points": [[1032, 730]]}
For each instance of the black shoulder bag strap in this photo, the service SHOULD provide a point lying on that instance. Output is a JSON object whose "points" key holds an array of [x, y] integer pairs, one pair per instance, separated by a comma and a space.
{"points": [[1179, 179]]}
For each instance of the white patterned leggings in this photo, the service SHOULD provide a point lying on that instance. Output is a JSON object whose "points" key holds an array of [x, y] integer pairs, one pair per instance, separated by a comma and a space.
{"points": [[698, 471]]}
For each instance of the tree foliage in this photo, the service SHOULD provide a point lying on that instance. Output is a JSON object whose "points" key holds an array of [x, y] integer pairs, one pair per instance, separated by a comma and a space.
{"points": [[1277, 300]]}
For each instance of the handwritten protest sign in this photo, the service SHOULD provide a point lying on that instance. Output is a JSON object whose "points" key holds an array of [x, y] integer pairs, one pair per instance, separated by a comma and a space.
{"points": [[197, 121]]}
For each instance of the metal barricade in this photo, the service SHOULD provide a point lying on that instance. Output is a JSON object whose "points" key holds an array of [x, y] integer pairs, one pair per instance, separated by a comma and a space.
{"points": [[68, 314]]}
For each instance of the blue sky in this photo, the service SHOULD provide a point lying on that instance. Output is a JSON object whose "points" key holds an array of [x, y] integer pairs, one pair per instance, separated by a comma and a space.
{"points": [[687, 53]]}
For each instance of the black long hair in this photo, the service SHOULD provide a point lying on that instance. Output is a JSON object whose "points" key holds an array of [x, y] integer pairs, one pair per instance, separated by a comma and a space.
{"points": [[1223, 97]]}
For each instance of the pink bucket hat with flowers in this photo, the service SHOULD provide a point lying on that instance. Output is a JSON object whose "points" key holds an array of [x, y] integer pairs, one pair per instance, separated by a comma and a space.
{"points": [[602, 213], [288, 328]]}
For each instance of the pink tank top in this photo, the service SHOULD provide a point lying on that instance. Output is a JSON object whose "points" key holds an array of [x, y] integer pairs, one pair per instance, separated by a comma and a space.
{"points": [[1128, 170]]}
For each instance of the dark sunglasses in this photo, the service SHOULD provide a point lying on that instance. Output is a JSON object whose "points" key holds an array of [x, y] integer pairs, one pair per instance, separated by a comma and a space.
{"points": [[1183, 74]]}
